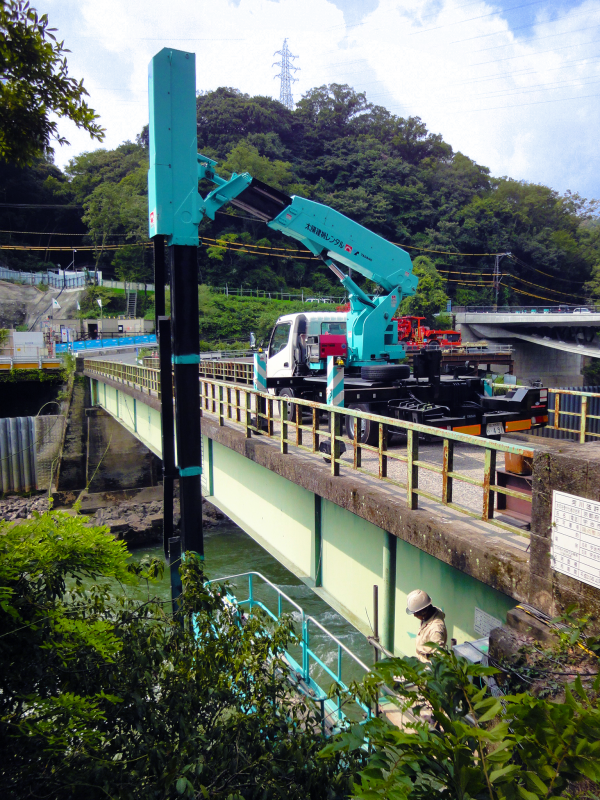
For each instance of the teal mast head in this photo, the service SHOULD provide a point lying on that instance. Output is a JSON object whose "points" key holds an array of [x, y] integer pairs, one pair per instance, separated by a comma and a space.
{"points": [[173, 199]]}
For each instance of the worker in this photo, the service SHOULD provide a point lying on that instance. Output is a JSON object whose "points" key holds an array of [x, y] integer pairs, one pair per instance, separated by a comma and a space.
{"points": [[433, 627]]}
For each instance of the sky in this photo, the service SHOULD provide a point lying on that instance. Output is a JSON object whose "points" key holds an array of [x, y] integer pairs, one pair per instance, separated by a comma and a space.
{"points": [[514, 85]]}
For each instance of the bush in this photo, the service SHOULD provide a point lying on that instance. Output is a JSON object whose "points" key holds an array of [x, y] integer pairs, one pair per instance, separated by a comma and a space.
{"points": [[516, 747], [104, 695]]}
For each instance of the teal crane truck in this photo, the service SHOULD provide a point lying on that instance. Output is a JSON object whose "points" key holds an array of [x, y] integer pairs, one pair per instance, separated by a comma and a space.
{"points": [[366, 337]]}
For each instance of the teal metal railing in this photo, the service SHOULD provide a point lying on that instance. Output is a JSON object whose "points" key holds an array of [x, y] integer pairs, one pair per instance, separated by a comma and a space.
{"points": [[332, 710]]}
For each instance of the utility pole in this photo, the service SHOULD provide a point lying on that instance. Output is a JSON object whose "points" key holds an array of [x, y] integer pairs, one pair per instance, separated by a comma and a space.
{"points": [[285, 92], [497, 277]]}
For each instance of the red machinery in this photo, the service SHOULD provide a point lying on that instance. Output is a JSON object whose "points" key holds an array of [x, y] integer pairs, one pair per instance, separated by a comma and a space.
{"points": [[412, 331]]}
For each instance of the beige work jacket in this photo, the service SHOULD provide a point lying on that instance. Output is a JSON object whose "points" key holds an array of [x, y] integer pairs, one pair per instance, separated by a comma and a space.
{"points": [[431, 630]]}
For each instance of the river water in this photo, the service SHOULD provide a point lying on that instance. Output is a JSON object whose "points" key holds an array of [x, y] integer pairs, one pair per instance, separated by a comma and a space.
{"points": [[229, 551]]}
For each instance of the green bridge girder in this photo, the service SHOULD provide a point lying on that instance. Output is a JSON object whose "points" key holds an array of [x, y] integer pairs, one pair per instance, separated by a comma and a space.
{"points": [[337, 553]]}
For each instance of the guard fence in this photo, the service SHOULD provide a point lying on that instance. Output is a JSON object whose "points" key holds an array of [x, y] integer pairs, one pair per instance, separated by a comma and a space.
{"points": [[563, 308], [57, 280], [573, 414], [308, 669], [408, 455], [302, 296]]}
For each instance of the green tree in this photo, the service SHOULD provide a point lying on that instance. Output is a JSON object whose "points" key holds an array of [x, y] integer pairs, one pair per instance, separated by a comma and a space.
{"points": [[430, 297], [104, 694], [132, 264], [87, 171], [245, 158], [35, 85]]}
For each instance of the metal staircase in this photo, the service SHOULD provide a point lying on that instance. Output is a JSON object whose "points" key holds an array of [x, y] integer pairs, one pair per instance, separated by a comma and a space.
{"points": [[131, 304]]}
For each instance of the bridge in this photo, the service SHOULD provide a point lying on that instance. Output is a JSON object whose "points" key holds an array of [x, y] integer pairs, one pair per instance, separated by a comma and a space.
{"points": [[410, 512], [549, 342]]}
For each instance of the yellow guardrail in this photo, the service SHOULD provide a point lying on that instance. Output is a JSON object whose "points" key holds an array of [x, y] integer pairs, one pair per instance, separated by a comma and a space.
{"points": [[262, 414]]}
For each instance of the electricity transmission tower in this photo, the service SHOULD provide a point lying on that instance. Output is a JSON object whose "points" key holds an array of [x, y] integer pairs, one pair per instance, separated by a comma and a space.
{"points": [[285, 93]]}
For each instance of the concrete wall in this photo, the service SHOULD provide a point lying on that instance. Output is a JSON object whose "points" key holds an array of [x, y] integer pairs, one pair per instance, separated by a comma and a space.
{"points": [[116, 459], [572, 468], [72, 474]]}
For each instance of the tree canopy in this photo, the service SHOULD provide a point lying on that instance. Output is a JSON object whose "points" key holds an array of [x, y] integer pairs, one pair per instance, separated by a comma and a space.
{"points": [[34, 85], [388, 173]]}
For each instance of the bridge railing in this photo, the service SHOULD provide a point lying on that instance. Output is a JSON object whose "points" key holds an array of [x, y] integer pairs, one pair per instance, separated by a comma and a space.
{"points": [[255, 413], [304, 659], [563, 308], [130, 374], [421, 471], [578, 408]]}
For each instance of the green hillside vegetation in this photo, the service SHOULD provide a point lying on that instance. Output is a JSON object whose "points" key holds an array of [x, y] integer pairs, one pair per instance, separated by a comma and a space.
{"points": [[388, 173], [231, 319], [225, 320]]}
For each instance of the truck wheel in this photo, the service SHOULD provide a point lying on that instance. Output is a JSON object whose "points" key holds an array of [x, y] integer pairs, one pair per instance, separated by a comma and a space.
{"points": [[385, 372], [368, 431], [292, 408]]}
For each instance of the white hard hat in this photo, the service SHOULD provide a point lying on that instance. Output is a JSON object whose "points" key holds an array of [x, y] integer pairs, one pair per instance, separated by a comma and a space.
{"points": [[417, 601]]}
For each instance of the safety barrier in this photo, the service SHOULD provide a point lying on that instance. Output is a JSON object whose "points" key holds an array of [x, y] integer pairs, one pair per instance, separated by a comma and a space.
{"points": [[255, 414], [27, 362], [57, 280], [82, 345], [241, 372], [563, 308], [575, 412], [233, 404], [129, 374], [304, 658]]}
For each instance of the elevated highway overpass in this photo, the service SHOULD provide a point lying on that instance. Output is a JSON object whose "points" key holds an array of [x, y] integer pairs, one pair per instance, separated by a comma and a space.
{"points": [[549, 343]]}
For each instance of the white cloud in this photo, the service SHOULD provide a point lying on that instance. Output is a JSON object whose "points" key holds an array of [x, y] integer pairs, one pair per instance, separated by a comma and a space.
{"points": [[524, 102]]}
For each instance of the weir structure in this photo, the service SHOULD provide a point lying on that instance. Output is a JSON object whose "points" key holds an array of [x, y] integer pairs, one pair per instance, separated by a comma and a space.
{"points": [[418, 510]]}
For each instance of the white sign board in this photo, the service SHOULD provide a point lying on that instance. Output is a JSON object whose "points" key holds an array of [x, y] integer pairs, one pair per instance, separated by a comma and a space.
{"points": [[28, 343], [576, 537]]}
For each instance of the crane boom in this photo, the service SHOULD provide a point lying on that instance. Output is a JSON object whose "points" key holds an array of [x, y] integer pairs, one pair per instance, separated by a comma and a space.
{"points": [[336, 239]]}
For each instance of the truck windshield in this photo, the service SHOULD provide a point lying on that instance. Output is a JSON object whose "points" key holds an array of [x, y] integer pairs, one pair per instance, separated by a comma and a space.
{"points": [[280, 337], [336, 328]]}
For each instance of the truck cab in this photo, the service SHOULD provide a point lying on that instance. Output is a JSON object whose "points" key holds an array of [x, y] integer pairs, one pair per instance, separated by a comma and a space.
{"points": [[300, 343]]}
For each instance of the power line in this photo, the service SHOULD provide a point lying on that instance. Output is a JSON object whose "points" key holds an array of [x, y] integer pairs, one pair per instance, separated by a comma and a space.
{"points": [[538, 39], [482, 16], [533, 103], [535, 53], [520, 28], [37, 205], [546, 274]]}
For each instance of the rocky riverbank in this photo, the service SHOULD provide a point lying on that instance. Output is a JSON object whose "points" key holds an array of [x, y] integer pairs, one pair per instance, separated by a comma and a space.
{"points": [[141, 523], [133, 516], [13, 508]]}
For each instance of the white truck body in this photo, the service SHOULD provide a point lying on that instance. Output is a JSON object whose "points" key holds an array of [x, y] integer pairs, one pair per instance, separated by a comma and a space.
{"points": [[288, 339]]}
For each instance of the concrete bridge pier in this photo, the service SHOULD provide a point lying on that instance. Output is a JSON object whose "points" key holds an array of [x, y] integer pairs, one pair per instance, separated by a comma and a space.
{"points": [[99, 452]]}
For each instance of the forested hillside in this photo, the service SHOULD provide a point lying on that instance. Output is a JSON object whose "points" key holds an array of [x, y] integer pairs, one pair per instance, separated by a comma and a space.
{"points": [[388, 173]]}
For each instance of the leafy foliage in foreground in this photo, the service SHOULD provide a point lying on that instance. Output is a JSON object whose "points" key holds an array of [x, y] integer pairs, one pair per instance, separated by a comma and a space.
{"points": [[103, 695], [480, 747], [35, 86]]}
